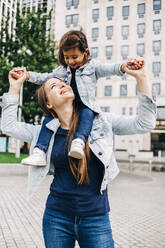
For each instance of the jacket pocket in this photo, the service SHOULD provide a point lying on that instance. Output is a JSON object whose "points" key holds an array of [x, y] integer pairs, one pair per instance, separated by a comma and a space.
{"points": [[97, 133]]}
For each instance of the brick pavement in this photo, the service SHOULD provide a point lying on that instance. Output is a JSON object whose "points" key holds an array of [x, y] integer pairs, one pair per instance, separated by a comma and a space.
{"points": [[137, 216]]}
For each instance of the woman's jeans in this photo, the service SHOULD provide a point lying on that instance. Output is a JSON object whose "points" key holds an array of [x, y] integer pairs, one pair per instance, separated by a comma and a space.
{"points": [[85, 124], [61, 230]]}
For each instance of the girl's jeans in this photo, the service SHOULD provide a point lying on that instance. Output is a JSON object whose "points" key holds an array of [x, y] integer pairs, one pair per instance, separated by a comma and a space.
{"points": [[61, 230], [86, 118]]}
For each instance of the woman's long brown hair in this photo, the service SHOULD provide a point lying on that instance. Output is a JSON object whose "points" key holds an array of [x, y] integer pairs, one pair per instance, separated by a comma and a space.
{"points": [[79, 168]]}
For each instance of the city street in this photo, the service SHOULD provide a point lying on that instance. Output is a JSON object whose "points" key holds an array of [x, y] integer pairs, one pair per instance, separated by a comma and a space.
{"points": [[137, 215]]}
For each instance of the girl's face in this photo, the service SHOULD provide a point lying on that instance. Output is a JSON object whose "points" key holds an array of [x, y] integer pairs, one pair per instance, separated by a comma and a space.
{"points": [[74, 57], [58, 93]]}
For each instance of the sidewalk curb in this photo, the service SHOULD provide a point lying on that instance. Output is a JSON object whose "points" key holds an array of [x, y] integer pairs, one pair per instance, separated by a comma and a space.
{"points": [[13, 169]]}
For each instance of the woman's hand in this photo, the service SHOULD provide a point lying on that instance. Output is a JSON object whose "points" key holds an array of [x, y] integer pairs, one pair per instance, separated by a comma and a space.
{"points": [[17, 72], [140, 74], [15, 84]]}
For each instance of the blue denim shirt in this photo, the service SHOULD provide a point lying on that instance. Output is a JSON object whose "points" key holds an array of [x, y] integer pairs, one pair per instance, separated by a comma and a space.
{"points": [[86, 79], [100, 139]]}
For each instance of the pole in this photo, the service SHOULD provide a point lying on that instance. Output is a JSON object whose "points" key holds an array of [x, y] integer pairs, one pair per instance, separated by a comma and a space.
{"points": [[18, 142]]}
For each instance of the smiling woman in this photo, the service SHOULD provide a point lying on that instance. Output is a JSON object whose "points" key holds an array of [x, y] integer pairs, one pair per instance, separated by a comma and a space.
{"points": [[77, 207], [53, 95]]}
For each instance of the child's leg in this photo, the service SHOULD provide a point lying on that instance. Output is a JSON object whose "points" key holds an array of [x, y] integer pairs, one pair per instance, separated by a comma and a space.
{"points": [[38, 157], [44, 136], [85, 123]]}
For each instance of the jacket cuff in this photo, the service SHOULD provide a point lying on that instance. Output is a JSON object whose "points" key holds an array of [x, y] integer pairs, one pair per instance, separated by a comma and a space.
{"points": [[145, 98], [118, 70], [7, 98], [32, 77]]}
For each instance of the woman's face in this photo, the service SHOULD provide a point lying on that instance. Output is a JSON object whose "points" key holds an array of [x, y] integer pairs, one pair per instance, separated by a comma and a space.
{"points": [[74, 57], [58, 93]]}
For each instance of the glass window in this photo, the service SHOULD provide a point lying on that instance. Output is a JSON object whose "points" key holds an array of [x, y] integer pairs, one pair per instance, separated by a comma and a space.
{"points": [[156, 26], [124, 51], [110, 12], [68, 19], [95, 14], [156, 47], [130, 111], [71, 19], [108, 51], [140, 49], [95, 1], [156, 88], [75, 19], [125, 31], [123, 111], [125, 11], [109, 32], [8, 11], [136, 90], [75, 3], [108, 90], [95, 34], [156, 4], [141, 29], [156, 67], [94, 52], [68, 3], [105, 109], [3, 9], [141, 9], [123, 90]]}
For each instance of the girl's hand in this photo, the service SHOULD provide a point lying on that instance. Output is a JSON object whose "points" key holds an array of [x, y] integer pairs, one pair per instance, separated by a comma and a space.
{"points": [[15, 84], [17, 72]]}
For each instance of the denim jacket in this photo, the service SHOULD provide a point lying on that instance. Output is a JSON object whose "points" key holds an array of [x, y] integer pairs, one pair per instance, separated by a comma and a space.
{"points": [[100, 139], [86, 79]]}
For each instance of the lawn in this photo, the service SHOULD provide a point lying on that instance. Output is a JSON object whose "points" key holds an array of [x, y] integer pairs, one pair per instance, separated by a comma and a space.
{"points": [[9, 158]]}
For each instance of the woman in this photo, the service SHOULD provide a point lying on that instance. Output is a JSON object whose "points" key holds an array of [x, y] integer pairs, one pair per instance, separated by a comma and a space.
{"points": [[77, 207]]}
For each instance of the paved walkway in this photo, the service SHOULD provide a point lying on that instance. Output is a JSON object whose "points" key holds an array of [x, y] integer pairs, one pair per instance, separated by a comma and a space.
{"points": [[137, 216]]}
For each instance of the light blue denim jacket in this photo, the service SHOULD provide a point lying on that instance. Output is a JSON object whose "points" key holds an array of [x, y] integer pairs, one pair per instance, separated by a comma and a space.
{"points": [[86, 78], [100, 139]]}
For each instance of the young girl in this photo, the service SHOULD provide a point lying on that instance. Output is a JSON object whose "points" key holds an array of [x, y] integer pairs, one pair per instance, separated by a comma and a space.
{"points": [[81, 73]]}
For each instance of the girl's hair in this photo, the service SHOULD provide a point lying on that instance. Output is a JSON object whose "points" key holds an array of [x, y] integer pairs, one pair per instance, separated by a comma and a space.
{"points": [[70, 40], [79, 168]]}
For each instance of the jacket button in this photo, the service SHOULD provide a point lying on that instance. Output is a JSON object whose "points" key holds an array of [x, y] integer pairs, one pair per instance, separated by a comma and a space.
{"points": [[100, 153], [101, 134], [91, 142], [107, 166]]}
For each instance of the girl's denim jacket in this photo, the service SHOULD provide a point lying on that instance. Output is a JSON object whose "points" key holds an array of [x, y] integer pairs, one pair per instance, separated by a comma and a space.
{"points": [[86, 78], [100, 139]]}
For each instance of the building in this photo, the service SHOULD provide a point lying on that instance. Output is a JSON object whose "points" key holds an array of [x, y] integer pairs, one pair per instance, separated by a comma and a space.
{"points": [[46, 5], [8, 9], [117, 29]]}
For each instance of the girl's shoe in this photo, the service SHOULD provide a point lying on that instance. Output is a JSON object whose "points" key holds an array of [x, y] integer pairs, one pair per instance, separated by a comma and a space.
{"points": [[37, 158], [77, 149]]}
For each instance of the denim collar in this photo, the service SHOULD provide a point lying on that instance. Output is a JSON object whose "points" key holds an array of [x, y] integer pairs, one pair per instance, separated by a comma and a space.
{"points": [[53, 124]]}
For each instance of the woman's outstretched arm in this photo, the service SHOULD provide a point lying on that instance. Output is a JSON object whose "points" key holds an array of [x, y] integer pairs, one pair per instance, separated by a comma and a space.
{"points": [[9, 123], [145, 120]]}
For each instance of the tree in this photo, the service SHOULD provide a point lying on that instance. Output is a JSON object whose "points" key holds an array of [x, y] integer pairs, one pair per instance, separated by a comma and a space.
{"points": [[30, 45]]}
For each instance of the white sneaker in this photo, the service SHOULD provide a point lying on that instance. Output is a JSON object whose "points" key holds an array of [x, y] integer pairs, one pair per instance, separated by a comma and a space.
{"points": [[76, 149], [37, 158]]}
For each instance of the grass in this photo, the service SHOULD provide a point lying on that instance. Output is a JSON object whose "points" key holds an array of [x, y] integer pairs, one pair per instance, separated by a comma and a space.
{"points": [[9, 158]]}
